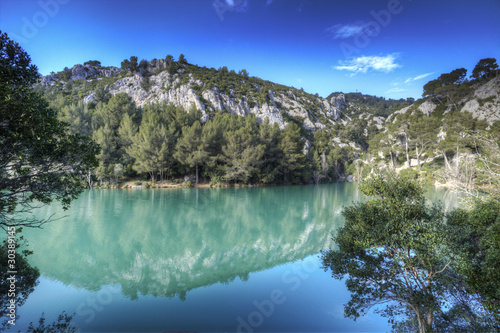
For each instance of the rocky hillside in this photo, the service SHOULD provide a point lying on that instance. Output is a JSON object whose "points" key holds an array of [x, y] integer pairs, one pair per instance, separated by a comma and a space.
{"points": [[186, 88], [485, 102], [343, 134]]}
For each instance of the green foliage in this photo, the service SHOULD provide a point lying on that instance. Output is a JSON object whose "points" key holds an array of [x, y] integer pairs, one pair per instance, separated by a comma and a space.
{"points": [[191, 148], [390, 251], [378, 106], [409, 173], [269, 136], [26, 277], [145, 83], [94, 63], [143, 65], [152, 145], [78, 119], [242, 153], [100, 93], [65, 75], [448, 87], [356, 132], [172, 66], [485, 69], [292, 162], [130, 65], [62, 325], [244, 73], [39, 161], [407, 136], [475, 235], [486, 100], [182, 60], [216, 181]]}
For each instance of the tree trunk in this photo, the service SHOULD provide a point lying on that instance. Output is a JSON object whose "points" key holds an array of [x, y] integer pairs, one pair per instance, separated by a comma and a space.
{"points": [[89, 179], [324, 164], [421, 324], [418, 158], [429, 321], [447, 163], [196, 174], [408, 162], [392, 160], [406, 151]]}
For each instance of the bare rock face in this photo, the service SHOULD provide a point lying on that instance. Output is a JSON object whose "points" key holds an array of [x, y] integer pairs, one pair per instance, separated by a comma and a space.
{"points": [[489, 89], [168, 88], [187, 92], [79, 72], [339, 102], [49, 80], [89, 98], [486, 102], [427, 107]]}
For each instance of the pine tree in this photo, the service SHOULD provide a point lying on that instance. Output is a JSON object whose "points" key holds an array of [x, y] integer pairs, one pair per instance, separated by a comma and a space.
{"points": [[151, 146], [293, 161], [78, 118], [105, 137], [191, 148], [485, 68], [242, 156], [269, 136]]}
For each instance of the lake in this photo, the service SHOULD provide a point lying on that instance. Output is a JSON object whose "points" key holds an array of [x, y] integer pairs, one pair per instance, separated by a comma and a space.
{"points": [[228, 260]]}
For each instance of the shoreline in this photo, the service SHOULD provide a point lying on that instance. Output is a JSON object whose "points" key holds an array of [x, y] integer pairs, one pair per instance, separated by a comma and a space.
{"points": [[170, 185], [177, 184]]}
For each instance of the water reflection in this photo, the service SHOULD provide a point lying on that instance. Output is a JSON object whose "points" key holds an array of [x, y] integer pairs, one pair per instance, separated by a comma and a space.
{"points": [[167, 242]]}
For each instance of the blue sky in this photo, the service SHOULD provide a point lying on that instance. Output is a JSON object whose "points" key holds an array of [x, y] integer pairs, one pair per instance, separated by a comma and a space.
{"points": [[386, 48]]}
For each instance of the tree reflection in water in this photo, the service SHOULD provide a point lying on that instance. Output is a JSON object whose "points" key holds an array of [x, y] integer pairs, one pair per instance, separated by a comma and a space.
{"points": [[18, 280]]}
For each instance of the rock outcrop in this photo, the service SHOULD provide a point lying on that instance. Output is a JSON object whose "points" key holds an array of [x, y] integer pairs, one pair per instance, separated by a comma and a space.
{"points": [[486, 102], [175, 89], [81, 72]]}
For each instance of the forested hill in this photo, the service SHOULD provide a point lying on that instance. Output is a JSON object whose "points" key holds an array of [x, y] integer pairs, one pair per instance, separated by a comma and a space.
{"points": [[168, 118]]}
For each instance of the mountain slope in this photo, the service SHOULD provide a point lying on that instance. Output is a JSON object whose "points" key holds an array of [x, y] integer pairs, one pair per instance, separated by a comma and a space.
{"points": [[210, 91], [343, 134]]}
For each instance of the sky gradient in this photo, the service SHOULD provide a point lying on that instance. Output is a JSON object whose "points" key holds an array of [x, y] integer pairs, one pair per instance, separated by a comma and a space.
{"points": [[385, 48]]}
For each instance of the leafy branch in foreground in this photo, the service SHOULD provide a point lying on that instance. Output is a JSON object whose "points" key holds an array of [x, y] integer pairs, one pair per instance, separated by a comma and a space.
{"points": [[39, 163], [475, 235], [390, 251], [26, 280], [433, 272], [63, 324]]}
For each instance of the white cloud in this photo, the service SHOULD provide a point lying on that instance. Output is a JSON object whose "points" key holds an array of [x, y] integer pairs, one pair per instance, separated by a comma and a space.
{"points": [[367, 63], [395, 90], [345, 31], [418, 77], [237, 5]]}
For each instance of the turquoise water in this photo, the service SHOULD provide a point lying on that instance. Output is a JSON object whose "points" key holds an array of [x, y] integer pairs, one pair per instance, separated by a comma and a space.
{"points": [[154, 260]]}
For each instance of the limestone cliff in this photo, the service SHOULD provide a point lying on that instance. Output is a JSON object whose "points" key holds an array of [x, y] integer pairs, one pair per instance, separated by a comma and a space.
{"points": [[485, 103], [185, 90]]}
